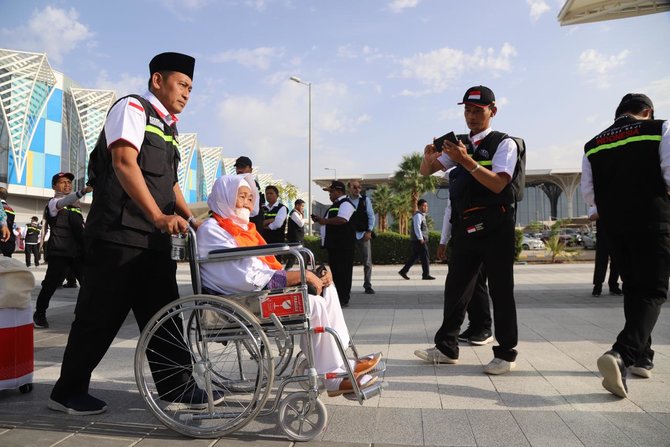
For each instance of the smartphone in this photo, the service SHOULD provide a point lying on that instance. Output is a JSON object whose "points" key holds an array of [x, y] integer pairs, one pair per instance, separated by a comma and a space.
{"points": [[439, 142]]}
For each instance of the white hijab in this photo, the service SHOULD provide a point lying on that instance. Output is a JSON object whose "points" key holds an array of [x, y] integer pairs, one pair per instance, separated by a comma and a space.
{"points": [[223, 197]]}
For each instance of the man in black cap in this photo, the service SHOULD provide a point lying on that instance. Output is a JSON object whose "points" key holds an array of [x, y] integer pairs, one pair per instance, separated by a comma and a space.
{"points": [[485, 163], [634, 218], [338, 236], [243, 166], [65, 246], [137, 205]]}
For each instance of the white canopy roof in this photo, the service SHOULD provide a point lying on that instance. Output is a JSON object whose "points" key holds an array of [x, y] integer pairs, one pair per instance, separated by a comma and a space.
{"points": [[586, 11]]}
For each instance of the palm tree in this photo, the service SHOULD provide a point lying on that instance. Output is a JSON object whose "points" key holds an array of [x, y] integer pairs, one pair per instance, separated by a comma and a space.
{"points": [[409, 179], [382, 198], [288, 192], [402, 212]]}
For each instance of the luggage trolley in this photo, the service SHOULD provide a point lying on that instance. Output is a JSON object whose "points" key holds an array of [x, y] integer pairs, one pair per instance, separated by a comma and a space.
{"points": [[240, 347]]}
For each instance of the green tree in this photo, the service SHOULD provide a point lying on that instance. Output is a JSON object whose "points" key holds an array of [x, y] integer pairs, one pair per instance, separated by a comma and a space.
{"points": [[288, 193], [382, 199], [402, 211], [408, 179]]}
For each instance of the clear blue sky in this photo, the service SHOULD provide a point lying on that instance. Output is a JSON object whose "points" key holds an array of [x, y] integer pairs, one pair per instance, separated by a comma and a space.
{"points": [[386, 74]]}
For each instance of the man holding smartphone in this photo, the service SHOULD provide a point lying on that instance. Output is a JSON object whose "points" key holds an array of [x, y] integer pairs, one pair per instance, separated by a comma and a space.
{"points": [[482, 200]]}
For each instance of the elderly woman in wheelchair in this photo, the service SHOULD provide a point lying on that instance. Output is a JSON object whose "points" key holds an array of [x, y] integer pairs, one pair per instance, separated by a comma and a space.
{"points": [[231, 201]]}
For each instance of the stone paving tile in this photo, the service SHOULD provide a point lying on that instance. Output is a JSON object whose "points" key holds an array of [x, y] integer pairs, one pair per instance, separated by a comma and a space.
{"points": [[496, 428], [447, 428], [594, 429], [642, 428], [398, 426]]}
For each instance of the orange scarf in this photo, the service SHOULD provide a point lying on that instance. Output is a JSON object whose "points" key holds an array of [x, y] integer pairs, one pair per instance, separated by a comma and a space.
{"points": [[247, 238]]}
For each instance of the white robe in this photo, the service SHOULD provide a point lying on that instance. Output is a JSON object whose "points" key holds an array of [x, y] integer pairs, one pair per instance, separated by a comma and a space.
{"points": [[251, 274]]}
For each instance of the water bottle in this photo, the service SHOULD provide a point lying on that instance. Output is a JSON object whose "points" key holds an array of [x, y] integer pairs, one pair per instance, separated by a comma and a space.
{"points": [[178, 252]]}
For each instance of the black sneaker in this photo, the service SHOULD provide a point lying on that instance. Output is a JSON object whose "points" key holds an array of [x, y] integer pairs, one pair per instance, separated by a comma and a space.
{"points": [[614, 372], [403, 274], [191, 397], [40, 320], [642, 368], [369, 291], [70, 285], [597, 290], [616, 291], [481, 338], [82, 405], [428, 277], [465, 335]]}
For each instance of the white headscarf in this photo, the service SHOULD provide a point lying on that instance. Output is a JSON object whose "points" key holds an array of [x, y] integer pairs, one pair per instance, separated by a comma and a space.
{"points": [[223, 197]]}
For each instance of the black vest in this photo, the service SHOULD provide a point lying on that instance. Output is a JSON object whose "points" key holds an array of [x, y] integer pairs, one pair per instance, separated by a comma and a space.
{"points": [[114, 216], [66, 230], [338, 236], [360, 217], [465, 191], [628, 184], [423, 229], [295, 233], [274, 236], [32, 233], [11, 215], [259, 218]]}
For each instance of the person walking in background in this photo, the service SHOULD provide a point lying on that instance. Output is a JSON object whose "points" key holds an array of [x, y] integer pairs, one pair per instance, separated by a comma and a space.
{"points": [[8, 246], [243, 165], [32, 241], [626, 176], [274, 220], [418, 239], [137, 205], [295, 232], [483, 195], [4, 231], [602, 259], [338, 238], [66, 241], [479, 331], [363, 220]]}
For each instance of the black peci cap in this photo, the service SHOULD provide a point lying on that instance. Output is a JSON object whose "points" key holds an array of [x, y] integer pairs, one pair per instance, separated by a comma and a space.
{"points": [[640, 98], [178, 62], [242, 162], [479, 96], [335, 185]]}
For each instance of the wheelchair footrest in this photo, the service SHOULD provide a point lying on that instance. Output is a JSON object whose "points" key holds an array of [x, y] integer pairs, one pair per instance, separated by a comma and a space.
{"points": [[367, 393]]}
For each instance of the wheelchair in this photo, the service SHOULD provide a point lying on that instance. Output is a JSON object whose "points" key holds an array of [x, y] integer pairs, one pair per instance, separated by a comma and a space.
{"points": [[241, 355]]}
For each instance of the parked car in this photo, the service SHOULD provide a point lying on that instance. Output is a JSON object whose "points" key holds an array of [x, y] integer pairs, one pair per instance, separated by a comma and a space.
{"points": [[531, 243], [569, 236], [589, 241]]}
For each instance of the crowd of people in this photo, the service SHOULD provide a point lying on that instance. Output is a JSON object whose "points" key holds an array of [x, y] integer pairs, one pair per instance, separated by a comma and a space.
{"points": [[121, 256]]}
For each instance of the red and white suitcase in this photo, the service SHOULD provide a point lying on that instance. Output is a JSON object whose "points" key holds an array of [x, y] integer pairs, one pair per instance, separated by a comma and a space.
{"points": [[16, 349]]}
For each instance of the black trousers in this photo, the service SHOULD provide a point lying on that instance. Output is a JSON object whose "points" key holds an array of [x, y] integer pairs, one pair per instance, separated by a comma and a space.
{"points": [[118, 279], [419, 251], [34, 250], [7, 247], [602, 259], [57, 270], [643, 259], [341, 261], [495, 252], [479, 309]]}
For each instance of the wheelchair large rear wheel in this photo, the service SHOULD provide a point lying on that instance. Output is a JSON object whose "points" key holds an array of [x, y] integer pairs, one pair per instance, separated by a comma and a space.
{"points": [[191, 372]]}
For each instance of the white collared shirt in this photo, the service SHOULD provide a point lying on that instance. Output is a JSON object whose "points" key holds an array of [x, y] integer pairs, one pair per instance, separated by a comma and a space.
{"points": [[127, 120]]}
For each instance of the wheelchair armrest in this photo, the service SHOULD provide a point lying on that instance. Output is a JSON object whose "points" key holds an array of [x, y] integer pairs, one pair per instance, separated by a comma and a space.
{"points": [[239, 252]]}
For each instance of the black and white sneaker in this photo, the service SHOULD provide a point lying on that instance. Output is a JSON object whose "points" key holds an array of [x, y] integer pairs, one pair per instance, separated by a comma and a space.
{"points": [[481, 338], [465, 335], [40, 320], [611, 366], [82, 405]]}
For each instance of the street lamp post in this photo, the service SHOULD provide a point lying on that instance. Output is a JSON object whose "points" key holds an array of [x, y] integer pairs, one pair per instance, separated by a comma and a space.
{"points": [[309, 156], [332, 169]]}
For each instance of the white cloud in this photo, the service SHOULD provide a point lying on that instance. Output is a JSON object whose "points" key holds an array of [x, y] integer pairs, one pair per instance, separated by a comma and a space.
{"points": [[398, 6], [365, 52], [659, 92], [52, 30], [537, 8], [439, 68], [259, 58], [597, 67], [125, 85]]}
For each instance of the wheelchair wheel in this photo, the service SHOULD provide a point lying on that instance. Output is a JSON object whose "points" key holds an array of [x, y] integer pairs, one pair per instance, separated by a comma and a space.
{"points": [[192, 372], [300, 418]]}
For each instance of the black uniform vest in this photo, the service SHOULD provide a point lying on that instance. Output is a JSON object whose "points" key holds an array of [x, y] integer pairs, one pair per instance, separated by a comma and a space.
{"points": [[114, 216], [33, 233], [629, 188], [260, 217], [11, 215], [423, 229], [360, 217], [339, 235], [465, 191], [66, 230], [294, 232], [274, 236]]}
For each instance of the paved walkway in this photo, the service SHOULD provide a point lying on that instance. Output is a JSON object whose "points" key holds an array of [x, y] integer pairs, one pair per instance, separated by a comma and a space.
{"points": [[553, 398]]}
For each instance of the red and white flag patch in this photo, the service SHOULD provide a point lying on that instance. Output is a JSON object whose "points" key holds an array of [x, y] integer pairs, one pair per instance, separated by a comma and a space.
{"points": [[475, 95]]}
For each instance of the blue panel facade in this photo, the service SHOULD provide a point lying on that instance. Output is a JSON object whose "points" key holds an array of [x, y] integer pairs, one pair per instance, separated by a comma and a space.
{"points": [[55, 106]]}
